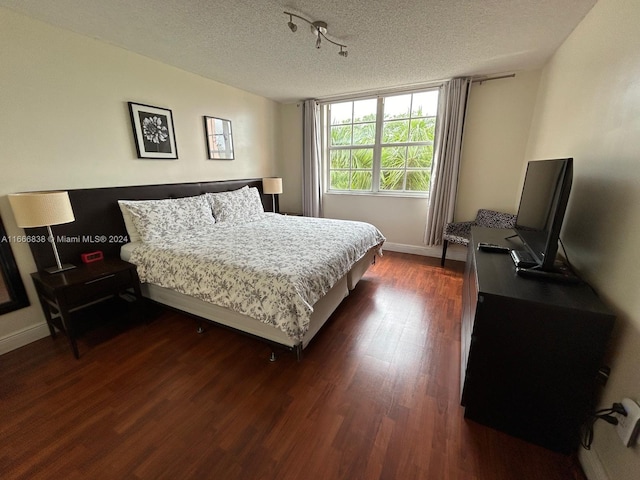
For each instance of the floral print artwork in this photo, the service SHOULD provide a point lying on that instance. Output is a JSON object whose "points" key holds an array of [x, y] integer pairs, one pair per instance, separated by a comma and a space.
{"points": [[154, 131], [155, 134]]}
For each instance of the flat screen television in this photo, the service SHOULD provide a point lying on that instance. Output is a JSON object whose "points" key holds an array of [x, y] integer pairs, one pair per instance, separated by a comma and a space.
{"points": [[543, 202]]}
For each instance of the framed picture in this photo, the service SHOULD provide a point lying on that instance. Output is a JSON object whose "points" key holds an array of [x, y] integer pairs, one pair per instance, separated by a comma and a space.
{"points": [[153, 131], [219, 138]]}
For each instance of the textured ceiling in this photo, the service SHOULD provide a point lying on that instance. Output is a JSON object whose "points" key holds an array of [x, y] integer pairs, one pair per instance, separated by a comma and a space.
{"points": [[248, 44]]}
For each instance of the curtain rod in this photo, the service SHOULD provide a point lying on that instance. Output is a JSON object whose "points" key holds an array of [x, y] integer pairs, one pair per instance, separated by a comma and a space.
{"points": [[488, 79], [401, 89]]}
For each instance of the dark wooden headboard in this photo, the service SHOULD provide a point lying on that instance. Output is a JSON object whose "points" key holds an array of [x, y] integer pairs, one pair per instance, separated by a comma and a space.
{"points": [[99, 224]]}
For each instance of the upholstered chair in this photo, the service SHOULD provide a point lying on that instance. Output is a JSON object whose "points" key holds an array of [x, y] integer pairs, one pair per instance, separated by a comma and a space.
{"points": [[460, 232]]}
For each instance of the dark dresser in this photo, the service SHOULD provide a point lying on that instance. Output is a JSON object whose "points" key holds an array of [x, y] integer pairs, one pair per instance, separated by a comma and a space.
{"points": [[530, 349]]}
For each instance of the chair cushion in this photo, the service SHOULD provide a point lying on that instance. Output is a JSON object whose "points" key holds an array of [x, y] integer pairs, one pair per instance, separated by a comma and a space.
{"points": [[458, 232], [493, 219], [454, 239]]}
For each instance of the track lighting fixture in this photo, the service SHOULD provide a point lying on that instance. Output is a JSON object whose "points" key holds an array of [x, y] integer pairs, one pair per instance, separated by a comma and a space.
{"points": [[319, 29], [292, 25]]}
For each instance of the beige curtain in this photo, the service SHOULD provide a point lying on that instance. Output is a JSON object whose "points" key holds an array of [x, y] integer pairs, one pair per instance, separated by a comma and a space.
{"points": [[311, 158], [446, 157]]}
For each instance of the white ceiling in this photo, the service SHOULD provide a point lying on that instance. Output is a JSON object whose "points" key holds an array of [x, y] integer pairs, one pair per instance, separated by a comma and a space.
{"points": [[248, 44]]}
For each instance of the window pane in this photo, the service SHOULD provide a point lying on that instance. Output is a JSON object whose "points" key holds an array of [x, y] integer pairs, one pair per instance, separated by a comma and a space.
{"points": [[425, 104], [419, 130], [397, 107], [339, 180], [362, 158], [420, 157], [341, 113], [341, 135], [395, 132], [391, 179], [364, 134], [422, 129], [393, 157], [365, 110], [340, 159], [418, 181], [361, 181], [431, 128]]}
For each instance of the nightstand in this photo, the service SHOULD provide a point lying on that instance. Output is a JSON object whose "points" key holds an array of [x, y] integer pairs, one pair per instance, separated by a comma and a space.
{"points": [[61, 294]]}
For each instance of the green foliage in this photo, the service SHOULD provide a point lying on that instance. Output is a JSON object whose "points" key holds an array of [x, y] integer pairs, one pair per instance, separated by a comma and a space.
{"points": [[362, 158], [364, 134], [351, 180], [418, 181], [340, 159], [341, 135], [420, 157]]}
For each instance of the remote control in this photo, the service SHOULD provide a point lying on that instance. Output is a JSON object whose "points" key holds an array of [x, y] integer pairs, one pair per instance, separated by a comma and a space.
{"points": [[492, 247]]}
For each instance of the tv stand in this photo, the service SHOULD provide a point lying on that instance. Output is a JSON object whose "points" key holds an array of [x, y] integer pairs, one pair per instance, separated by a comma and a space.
{"points": [[530, 350]]}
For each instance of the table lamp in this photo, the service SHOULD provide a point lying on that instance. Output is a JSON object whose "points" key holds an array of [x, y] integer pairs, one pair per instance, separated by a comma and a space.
{"points": [[273, 186], [43, 209]]}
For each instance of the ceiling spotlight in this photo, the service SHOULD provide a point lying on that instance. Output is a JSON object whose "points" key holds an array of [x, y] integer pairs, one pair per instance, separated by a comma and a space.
{"points": [[319, 29], [292, 25]]}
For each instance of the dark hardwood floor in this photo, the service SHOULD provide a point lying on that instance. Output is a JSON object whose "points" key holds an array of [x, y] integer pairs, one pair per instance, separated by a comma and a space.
{"points": [[376, 396]]}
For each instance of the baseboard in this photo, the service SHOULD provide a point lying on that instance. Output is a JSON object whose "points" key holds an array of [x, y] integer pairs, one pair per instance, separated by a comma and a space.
{"points": [[23, 337], [591, 465], [453, 253]]}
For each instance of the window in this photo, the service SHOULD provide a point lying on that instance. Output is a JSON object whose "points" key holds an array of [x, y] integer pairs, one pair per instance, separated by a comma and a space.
{"points": [[381, 145]]}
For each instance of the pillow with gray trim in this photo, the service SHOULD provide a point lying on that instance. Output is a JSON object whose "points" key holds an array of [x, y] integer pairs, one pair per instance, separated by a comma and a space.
{"points": [[236, 206], [159, 219]]}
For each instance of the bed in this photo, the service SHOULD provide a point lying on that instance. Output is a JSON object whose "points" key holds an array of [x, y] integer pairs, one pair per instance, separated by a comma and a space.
{"points": [[253, 284]]}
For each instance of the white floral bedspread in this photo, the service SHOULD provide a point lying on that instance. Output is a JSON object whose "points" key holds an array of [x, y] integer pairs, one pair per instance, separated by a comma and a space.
{"points": [[272, 269]]}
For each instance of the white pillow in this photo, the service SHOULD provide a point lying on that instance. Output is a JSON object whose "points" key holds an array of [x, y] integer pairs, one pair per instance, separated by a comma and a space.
{"points": [[158, 219], [134, 236], [236, 206]]}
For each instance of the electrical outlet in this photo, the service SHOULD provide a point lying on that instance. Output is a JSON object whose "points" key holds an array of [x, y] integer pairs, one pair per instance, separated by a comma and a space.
{"points": [[628, 425]]}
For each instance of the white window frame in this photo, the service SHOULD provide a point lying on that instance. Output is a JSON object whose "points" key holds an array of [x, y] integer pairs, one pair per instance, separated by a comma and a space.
{"points": [[377, 146]]}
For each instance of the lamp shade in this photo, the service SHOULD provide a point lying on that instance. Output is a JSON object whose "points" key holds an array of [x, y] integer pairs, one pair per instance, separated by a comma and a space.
{"points": [[41, 209], [272, 185]]}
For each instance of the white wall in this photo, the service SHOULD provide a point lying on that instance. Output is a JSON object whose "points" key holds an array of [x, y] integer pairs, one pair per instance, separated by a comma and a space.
{"points": [[401, 220], [290, 160], [64, 124], [495, 140], [589, 108]]}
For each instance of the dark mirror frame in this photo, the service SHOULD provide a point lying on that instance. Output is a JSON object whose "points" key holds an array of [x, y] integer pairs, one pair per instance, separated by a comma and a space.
{"points": [[10, 276]]}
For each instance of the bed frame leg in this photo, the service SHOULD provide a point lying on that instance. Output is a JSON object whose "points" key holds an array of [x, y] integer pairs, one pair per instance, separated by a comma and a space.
{"points": [[200, 328], [273, 357], [298, 350]]}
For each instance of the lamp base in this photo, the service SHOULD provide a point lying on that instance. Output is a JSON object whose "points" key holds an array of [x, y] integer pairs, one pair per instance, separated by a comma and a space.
{"points": [[63, 268]]}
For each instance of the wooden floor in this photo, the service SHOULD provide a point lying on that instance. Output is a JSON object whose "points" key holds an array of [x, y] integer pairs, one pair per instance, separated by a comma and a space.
{"points": [[375, 397]]}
